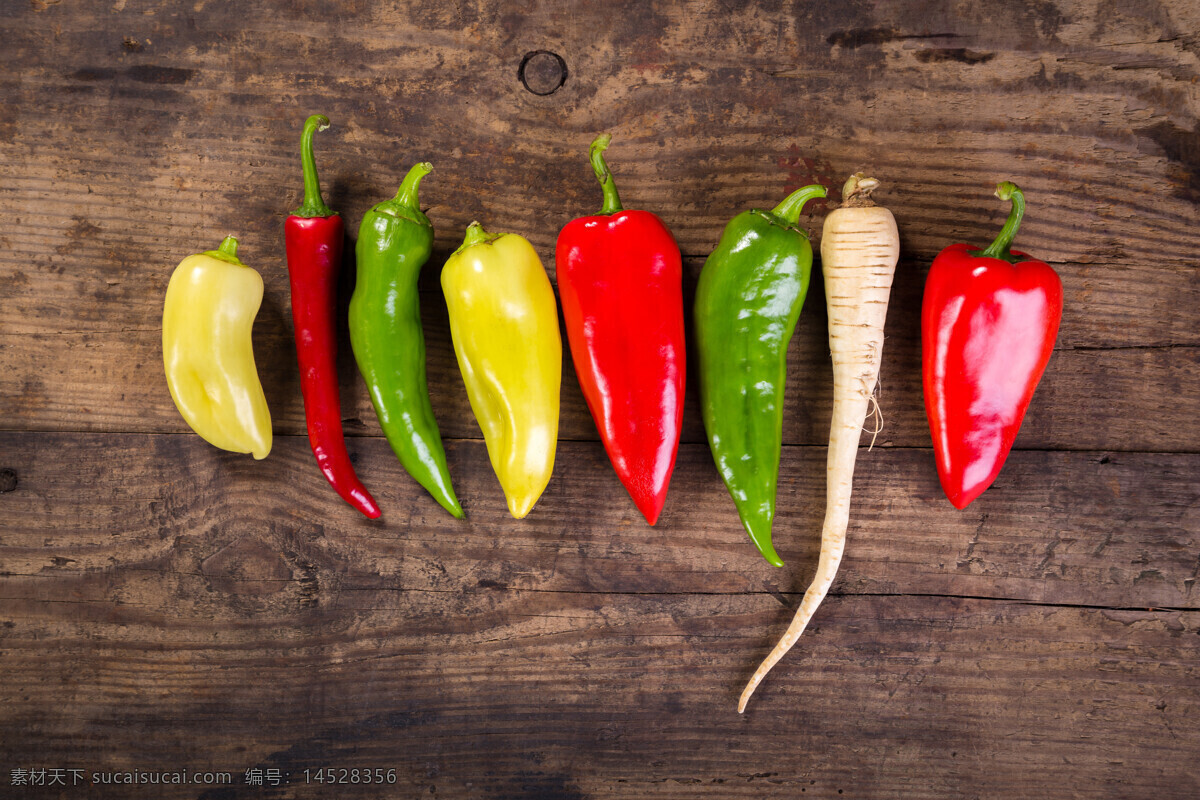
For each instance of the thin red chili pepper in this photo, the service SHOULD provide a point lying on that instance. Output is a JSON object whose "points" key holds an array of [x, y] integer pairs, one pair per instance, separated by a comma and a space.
{"points": [[313, 236], [620, 280]]}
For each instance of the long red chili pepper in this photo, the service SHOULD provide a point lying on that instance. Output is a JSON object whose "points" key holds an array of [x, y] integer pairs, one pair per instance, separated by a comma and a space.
{"points": [[620, 280], [313, 236], [988, 323]]}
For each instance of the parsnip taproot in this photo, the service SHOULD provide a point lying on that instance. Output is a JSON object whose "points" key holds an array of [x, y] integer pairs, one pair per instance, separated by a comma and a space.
{"points": [[859, 249]]}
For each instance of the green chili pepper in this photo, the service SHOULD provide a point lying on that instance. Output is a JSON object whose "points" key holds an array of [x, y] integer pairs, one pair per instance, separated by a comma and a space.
{"points": [[394, 241], [748, 301]]}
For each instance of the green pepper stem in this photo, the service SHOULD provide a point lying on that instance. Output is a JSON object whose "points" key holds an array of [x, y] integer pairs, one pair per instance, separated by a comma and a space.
{"points": [[313, 205], [612, 201], [406, 195], [999, 247], [227, 251], [789, 210], [476, 235]]}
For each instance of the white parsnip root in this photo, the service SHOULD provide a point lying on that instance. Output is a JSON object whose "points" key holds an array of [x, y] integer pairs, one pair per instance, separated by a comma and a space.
{"points": [[859, 249]]}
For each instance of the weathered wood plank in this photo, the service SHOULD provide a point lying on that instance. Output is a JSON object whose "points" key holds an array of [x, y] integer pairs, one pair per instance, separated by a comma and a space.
{"points": [[573, 695], [1134, 398], [165, 605], [1120, 531], [1106, 306], [193, 128]]}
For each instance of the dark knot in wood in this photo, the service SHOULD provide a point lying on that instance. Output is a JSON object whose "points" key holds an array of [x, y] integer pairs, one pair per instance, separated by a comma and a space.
{"points": [[8, 480], [542, 72]]}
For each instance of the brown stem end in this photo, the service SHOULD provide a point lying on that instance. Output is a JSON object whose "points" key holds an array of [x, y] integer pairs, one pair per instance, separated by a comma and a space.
{"points": [[856, 193]]}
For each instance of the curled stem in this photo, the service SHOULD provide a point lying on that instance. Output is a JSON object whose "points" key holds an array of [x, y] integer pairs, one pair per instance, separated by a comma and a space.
{"points": [[612, 201], [999, 248], [793, 204], [313, 205]]}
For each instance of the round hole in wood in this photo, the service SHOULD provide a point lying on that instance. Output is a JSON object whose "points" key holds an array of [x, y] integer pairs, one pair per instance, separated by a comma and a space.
{"points": [[542, 72]]}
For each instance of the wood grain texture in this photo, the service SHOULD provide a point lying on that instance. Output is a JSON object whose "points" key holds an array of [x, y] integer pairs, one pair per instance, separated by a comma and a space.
{"points": [[164, 605], [717, 109], [1093, 397], [1044, 534], [454, 692], [169, 588]]}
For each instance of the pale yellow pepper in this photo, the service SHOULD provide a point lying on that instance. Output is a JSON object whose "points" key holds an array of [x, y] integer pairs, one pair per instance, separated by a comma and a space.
{"points": [[504, 323], [208, 315]]}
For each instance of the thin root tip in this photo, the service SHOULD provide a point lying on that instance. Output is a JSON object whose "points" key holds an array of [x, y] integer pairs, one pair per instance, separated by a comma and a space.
{"points": [[748, 692]]}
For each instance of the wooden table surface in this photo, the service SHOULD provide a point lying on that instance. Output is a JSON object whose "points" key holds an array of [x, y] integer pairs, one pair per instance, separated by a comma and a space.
{"points": [[169, 607]]}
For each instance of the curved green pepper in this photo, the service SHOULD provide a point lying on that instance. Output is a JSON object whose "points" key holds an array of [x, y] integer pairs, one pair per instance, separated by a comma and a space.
{"points": [[394, 242], [748, 301]]}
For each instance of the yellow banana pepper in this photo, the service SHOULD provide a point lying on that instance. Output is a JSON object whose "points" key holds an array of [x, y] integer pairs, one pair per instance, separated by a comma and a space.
{"points": [[504, 324], [208, 315]]}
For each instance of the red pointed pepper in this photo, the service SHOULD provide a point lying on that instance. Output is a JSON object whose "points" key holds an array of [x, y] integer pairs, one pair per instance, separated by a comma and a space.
{"points": [[620, 280], [988, 324], [313, 238]]}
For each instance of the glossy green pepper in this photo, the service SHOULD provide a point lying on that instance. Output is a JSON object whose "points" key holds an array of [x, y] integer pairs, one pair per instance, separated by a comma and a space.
{"points": [[748, 301], [394, 242]]}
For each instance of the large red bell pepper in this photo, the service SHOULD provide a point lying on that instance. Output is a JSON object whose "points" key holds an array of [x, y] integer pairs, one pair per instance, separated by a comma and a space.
{"points": [[988, 324], [620, 279]]}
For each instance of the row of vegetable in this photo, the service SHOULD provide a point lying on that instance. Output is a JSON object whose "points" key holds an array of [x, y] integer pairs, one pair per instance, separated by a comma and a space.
{"points": [[989, 321]]}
